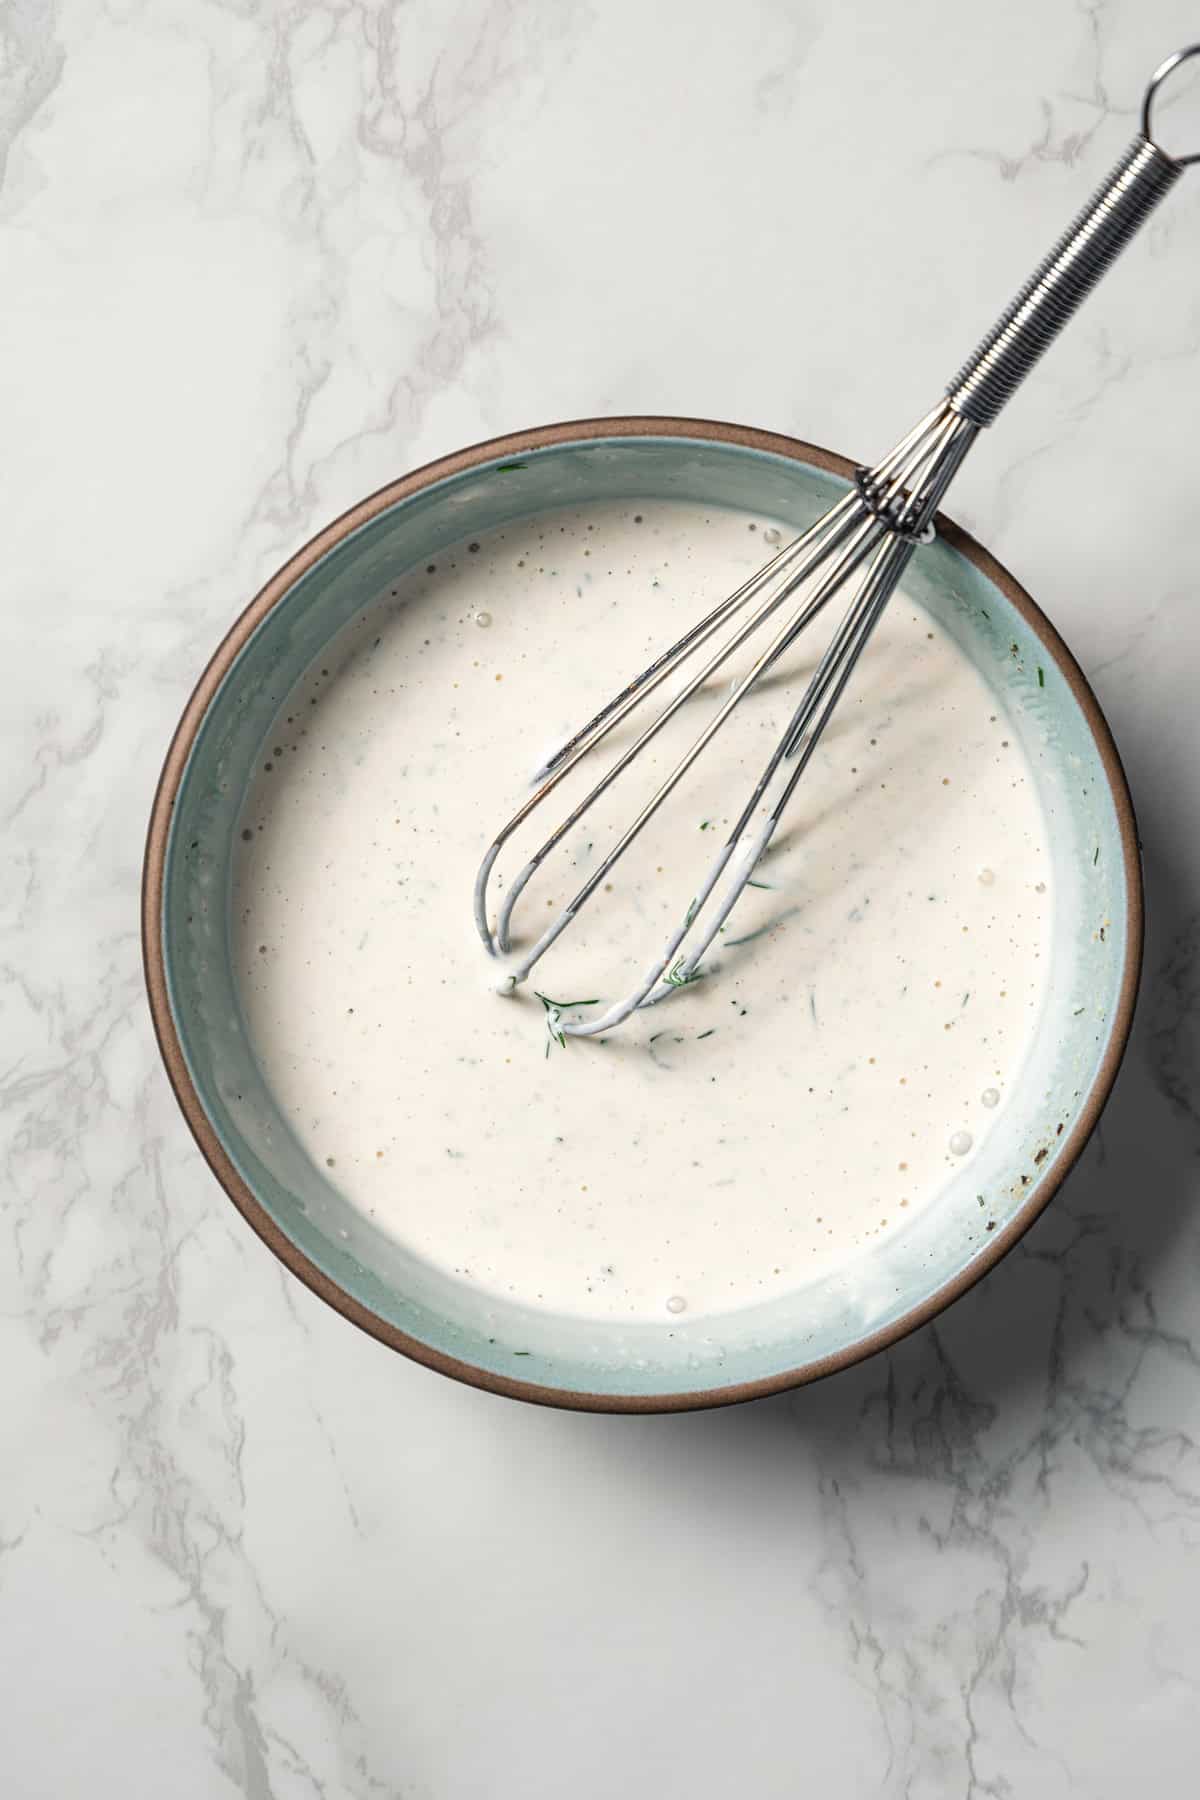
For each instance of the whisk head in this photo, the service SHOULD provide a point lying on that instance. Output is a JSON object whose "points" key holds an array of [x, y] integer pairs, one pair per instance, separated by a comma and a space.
{"points": [[860, 546]]}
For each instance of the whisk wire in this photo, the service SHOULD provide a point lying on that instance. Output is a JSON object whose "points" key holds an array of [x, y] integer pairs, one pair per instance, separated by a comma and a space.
{"points": [[866, 524], [820, 700]]}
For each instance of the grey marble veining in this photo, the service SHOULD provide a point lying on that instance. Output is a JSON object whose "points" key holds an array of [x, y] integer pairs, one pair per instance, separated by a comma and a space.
{"points": [[257, 260]]}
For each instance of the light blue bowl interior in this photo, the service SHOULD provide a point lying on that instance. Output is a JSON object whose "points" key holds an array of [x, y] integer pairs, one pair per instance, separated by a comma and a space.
{"points": [[828, 1316]]}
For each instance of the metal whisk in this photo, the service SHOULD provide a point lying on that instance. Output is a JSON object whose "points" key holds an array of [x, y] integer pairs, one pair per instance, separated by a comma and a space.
{"points": [[870, 534]]}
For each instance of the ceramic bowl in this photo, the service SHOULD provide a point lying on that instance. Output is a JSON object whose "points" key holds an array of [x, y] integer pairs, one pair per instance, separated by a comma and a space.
{"points": [[898, 1284]]}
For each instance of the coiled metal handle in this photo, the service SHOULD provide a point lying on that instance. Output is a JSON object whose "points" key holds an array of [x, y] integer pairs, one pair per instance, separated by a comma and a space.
{"points": [[1064, 278]]}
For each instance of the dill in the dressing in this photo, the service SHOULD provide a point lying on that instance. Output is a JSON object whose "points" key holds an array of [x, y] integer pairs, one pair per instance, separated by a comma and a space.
{"points": [[554, 1010], [678, 975]]}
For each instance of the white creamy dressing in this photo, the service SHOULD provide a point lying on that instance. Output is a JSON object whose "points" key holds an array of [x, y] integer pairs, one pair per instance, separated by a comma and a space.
{"points": [[857, 1030]]}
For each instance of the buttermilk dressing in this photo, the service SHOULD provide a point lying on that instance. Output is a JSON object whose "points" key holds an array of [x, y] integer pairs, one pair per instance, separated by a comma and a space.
{"points": [[860, 1019]]}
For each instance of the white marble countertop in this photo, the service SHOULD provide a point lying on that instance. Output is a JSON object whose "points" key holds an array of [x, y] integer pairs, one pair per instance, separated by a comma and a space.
{"points": [[256, 261]]}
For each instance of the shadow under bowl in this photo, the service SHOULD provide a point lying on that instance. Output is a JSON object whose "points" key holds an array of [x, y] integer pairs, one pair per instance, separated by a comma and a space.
{"points": [[835, 1320]]}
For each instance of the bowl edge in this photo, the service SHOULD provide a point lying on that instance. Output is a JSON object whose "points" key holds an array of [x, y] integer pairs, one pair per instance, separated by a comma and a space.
{"points": [[154, 959]]}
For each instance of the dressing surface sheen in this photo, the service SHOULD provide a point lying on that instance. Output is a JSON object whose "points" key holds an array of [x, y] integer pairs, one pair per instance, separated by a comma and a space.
{"points": [[862, 1019]]}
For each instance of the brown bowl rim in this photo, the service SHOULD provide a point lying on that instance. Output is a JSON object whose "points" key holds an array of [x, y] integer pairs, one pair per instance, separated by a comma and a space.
{"points": [[256, 1215]]}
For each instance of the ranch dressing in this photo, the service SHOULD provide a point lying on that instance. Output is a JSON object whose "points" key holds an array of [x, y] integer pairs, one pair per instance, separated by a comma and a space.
{"points": [[865, 1011]]}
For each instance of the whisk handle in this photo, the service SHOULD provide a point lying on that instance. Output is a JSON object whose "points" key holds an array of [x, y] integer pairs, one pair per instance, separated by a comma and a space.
{"points": [[1090, 244]]}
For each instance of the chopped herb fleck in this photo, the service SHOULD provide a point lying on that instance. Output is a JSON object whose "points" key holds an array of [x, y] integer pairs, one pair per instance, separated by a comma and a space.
{"points": [[704, 1034], [732, 943], [506, 469], [762, 884], [1096, 856], [1041, 676], [704, 824]]}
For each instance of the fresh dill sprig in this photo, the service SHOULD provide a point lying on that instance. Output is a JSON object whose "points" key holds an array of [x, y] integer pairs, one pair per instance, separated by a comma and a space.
{"points": [[678, 976], [554, 1010]]}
